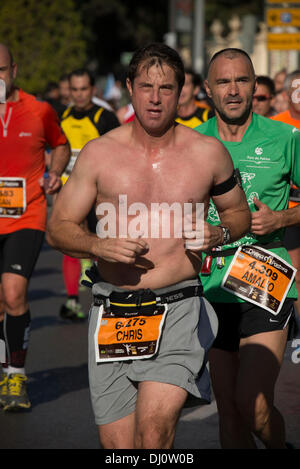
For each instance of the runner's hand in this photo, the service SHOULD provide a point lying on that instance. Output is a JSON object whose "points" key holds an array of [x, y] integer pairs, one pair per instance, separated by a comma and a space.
{"points": [[264, 220], [124, 250], [203, 240], [53, 183]]}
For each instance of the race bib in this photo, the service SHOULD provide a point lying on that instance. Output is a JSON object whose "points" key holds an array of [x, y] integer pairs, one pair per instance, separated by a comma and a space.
{"points": [[120, 338], [12, 197], [260, 277]]}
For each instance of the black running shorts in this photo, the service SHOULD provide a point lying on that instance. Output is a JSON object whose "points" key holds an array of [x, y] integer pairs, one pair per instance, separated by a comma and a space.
{"points": [[240, 320], [19, 251]]}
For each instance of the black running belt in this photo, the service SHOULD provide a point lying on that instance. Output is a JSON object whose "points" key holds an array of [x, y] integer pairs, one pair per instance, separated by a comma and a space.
{"points": [[142, 298], [232, 251]]}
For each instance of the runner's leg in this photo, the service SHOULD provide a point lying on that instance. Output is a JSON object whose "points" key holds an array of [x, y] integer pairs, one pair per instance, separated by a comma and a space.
{"points": [[118, 434], [17, 320], [261, 357], [224, 368], [158, 410]]}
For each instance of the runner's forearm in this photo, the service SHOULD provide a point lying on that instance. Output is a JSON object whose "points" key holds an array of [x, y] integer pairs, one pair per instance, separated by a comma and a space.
{"points": [[238, 222], [71, 239], [289, 217], [59, 158]]}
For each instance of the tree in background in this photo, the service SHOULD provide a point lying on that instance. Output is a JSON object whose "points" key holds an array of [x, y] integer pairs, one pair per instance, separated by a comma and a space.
{"points": [[45, 37], [116, 26]]}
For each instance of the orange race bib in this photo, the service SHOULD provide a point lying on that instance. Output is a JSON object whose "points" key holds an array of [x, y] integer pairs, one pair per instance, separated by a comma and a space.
{"points": [[260, 277], [12, 197], [128, 338]]}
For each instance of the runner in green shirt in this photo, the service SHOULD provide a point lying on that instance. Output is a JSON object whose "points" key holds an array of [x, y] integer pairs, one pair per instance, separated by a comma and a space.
{"points": [[248, 351]]}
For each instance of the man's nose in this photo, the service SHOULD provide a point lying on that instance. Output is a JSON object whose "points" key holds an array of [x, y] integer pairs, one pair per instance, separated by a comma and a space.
{"points": [[155, 96], [233, 88]]}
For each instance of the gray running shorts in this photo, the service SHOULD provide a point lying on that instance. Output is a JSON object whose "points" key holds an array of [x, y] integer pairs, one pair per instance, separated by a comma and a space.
{"points": [[188, 332]]}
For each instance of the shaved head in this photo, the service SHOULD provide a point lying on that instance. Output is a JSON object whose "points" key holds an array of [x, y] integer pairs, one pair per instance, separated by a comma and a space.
{"points": [[4, 49], [231, 54], [8, 71]]}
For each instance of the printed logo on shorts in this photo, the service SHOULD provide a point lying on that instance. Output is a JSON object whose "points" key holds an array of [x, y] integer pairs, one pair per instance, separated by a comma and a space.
{"points": [[16, 266]]}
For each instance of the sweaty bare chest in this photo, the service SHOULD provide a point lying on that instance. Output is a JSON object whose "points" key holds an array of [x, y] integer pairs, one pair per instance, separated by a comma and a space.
{"points": [[154, 182]]}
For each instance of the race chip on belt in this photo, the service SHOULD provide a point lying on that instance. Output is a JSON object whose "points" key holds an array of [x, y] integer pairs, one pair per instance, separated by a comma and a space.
{"points": [[260, 277]]}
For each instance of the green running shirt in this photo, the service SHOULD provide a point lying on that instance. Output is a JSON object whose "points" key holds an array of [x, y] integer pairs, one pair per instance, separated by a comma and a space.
{"points": [[268, 158]]}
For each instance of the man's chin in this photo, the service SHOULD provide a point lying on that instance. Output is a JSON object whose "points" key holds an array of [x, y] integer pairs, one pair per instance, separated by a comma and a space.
{"points": [[235, 119]]}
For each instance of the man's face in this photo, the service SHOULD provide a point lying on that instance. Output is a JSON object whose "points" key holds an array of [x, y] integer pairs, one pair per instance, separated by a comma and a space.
{"points": [[154, 94], [81, 92], [188, 91], [261, 103], [230, 85], [8, 70]]}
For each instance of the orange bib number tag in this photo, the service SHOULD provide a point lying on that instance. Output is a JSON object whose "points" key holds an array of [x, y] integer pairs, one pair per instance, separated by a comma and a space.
{"points": [[260, 277], [128, 338], [12, 197]]}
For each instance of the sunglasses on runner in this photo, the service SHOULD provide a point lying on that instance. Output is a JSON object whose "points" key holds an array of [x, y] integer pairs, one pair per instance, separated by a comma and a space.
{"points": [[261, 97]]}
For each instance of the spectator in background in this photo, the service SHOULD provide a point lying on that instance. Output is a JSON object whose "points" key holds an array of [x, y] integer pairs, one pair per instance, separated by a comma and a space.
{"points": [[64, 90], [52, 91], [279, 78], [263, 95], [188, 112], [280, 101]]}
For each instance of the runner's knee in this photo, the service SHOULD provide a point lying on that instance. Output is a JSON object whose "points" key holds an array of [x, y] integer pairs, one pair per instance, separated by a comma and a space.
{"points": [[155, 432], [255, 410], [14, 298]]}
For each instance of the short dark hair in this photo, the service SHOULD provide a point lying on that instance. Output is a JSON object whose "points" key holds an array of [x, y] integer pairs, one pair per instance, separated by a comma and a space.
{"points": [[80, 72], [231, 53], [266, 81], [157, 53], [196, 77]]}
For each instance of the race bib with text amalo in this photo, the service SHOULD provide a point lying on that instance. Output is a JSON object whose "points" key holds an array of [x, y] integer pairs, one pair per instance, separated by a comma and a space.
{"points": [[260, 277]]}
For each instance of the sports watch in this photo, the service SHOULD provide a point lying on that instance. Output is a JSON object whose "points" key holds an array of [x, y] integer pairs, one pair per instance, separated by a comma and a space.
{"points": [[226, 235]]}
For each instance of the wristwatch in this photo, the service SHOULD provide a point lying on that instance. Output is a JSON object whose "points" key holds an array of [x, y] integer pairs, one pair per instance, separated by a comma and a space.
{"points": [[226, 235]]}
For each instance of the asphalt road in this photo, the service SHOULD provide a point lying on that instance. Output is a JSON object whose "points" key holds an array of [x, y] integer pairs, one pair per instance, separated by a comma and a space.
{"points": [[61, 416]]}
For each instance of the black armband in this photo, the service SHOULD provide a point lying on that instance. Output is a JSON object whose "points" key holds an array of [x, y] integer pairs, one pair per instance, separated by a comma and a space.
{"points": [[227, 185]]}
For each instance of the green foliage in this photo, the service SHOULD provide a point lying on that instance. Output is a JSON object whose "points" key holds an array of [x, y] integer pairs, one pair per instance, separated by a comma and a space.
{"points": [[45, 38]]}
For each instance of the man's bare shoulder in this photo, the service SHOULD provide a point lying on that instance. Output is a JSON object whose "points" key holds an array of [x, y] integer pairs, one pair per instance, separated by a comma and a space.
{"points": [[113, 137], [106, 145], [195, 139]]}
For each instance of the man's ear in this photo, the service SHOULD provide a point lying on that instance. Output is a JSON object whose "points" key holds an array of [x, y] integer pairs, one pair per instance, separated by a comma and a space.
{"points": [[14, 70], [207, 88], [129, 86], [255, 86]]}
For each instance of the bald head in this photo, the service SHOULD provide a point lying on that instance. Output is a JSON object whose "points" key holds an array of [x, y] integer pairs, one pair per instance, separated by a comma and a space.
{"points": [[8, 71], [5, 51], [230, 54]]}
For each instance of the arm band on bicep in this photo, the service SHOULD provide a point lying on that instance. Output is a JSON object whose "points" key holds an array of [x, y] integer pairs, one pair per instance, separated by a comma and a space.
{"points": [[227, 185]]}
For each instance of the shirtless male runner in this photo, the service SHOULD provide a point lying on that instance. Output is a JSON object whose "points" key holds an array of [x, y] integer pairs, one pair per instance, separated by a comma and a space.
{"points": [[137, 402]]}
